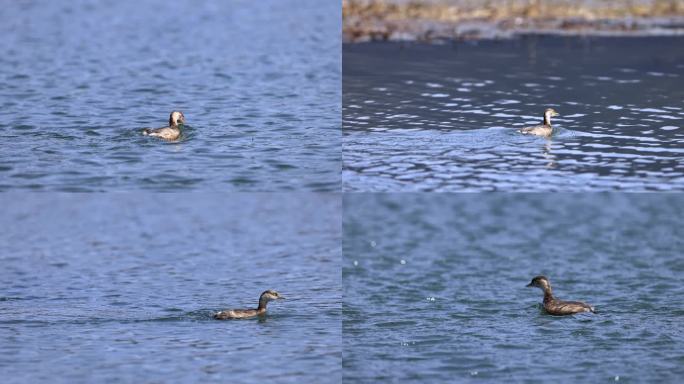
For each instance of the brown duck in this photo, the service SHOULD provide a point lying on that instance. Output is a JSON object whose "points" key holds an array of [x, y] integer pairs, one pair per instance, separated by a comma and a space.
{"points": [[265, 297], [544, 129], [557, 307], [170, 133]]}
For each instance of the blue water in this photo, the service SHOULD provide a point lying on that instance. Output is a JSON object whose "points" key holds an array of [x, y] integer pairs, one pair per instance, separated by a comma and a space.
{"points": [[258, 81], [121, 288], [434, 287], [424, 117]]}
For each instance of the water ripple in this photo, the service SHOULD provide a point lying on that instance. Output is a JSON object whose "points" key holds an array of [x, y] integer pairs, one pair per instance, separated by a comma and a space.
{"points": [[406, 128], [435, 287], [277, 86]]}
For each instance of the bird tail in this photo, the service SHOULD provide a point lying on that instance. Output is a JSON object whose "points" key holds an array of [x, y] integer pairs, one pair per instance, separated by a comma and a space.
{"points": [[592, 309]]}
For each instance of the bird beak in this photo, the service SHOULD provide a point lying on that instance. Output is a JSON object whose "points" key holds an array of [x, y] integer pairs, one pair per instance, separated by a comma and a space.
{"points": [[529, 285]]}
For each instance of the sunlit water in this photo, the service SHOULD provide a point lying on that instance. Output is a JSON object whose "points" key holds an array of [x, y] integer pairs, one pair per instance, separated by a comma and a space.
{"points": [[421, 117], [258, 81], [120, 288], [434, 288]]}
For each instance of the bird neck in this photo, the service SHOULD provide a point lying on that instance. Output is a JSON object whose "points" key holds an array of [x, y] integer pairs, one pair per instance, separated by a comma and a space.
{"points": [[547, 119], [548, 294], [262, 305]]}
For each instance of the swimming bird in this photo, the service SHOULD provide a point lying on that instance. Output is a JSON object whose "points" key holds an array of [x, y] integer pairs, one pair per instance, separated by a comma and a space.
{"points": [[265, 297], [172, 132], [544, 129], [554, 306]]}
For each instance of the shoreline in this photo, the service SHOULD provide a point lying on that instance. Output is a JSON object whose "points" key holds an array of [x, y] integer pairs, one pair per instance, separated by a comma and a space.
{"points": [[459, 20]]}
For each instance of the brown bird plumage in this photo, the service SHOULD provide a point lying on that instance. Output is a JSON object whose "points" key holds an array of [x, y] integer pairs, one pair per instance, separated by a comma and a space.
{"points": [[170, 133], [554, 306], [544, 129], [265, 297]]}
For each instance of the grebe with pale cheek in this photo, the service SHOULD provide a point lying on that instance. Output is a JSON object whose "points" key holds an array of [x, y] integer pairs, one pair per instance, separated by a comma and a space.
{"points": [[172, 132], [265, 297], [544, 129], [554, 306]]}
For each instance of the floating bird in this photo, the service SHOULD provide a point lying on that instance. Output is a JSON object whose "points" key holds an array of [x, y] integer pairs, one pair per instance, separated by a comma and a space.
{"points": [[544, 129], [265, 297], [172, 132], [557, 307]]}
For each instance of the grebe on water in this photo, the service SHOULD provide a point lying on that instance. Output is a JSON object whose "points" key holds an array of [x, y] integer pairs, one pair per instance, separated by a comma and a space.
{"points": [[544, 129], [172, 132], [558, 307], [265, 297]]}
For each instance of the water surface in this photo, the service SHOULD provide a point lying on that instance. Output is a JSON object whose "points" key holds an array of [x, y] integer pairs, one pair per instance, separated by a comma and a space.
{"points": [[121, 288], [421, 117], [258, 81], [434, 287]]}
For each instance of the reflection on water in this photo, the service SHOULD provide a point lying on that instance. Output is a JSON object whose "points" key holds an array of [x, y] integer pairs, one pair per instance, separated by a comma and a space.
{"points": [[444, 117], [259, 85], [435, 287]]}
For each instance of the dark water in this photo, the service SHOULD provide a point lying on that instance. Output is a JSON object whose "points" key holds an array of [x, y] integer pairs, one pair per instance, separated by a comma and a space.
{"points": [[421, 117], [434, 287], [112, 288], [258, 81]]}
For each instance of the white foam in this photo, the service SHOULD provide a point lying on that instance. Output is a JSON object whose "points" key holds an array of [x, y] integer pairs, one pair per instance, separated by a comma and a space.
{"points": [[654, 110], [476, 111], [507, 101]]}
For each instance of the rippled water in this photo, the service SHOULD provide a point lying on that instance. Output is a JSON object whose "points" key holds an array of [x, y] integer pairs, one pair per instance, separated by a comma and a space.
{"points": [[434, 287], [258, 82], [421, 117], [110, 288]]}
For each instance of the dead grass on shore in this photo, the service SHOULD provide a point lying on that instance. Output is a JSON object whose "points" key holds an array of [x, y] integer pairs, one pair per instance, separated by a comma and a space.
{"points": [[382, 18]]}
